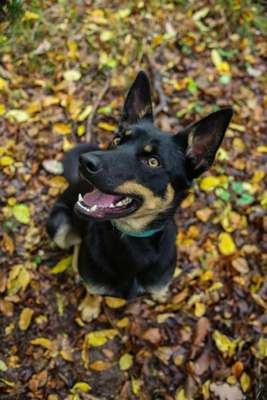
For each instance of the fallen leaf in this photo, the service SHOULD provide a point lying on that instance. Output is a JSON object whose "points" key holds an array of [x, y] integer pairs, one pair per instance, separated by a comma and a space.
{"points": [[53, 167], [245, 382], [43, 342], [152, 335], [240, 264], [100, 365], [62, 129], [25, 318], [224, 344], [98, 338], [126, 361], [225, 391], [114, 302], [18, 115], [62, 265], [72, 75], [22, 213], [226, 244], [82, 386]]}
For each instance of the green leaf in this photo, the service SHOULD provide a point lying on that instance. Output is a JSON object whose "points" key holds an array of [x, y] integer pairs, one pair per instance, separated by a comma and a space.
{"points": [[245, 199], [238, 187], [223, 194]]}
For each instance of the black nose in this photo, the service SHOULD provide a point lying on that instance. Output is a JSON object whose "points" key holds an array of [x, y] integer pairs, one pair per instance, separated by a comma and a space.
{"points": [[91, 162]]}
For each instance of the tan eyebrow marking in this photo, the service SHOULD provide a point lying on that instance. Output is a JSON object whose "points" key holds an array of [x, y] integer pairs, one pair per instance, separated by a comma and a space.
{"points": [[128, 132], [148, 148]]}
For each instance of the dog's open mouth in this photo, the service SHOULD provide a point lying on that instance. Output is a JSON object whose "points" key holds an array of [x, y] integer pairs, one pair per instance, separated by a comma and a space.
{"points": [[97, 204]]}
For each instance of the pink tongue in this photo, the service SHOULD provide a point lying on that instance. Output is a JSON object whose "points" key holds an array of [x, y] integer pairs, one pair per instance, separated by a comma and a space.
{"points": [[100, 199]]}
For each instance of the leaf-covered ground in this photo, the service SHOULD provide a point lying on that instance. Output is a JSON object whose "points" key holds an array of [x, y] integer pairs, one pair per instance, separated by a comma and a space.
{"points": [[65, 67]]}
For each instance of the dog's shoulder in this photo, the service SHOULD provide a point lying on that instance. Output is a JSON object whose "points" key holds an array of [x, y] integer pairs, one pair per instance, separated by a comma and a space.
{"points": [[71, 161]]}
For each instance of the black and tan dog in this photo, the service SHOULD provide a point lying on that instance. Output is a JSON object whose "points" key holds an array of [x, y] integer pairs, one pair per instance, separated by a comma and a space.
{"points": [[121, 202]]}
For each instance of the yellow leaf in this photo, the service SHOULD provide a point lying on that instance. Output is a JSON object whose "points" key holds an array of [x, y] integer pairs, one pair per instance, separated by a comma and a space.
{"points": [[207, 276], [81, 130], [98, 338], [18, 115], [72, 45], [114, 302], [6, 161], [62, 265], [204, 214], [30, 16], [245, 382], [57, 182], [180, 395], [2, 109], [19, 278], [3, 84], [123, 323], [223, 343], [62, 129], [72, 75], [258, 176], [200, 309], [43, 342], [222, 66], [215, 286], [209, 183], [22, 213], [188, 201], [161, 318], [262, 149], [136, 385], [107, 127], [85, 113], [262, 348], [25, 318], [226, 244], [206, 390], [126, 361], [82, 386], [50, 101]]}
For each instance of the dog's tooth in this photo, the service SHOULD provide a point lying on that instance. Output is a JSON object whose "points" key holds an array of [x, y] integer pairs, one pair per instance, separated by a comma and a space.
{"points": [[80, 198], [93, 208]]}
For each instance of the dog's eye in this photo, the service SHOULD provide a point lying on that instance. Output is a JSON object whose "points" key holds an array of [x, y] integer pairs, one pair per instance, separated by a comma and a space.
{"points": [[153, 162], [116, 141]]}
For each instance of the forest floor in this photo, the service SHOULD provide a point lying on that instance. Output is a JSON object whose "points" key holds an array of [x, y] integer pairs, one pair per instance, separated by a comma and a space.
{"points": [[208, 341]]}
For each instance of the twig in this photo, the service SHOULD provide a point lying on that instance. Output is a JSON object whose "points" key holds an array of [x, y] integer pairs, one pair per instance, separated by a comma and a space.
{"points": [[88, 135], [163, 99]]}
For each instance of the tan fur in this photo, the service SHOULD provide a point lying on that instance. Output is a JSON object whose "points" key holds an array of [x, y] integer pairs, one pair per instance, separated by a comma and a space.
{"points": [[66, 237], [152, 206], [146, 110], [148, 148], [160, 295], [128, 132]]}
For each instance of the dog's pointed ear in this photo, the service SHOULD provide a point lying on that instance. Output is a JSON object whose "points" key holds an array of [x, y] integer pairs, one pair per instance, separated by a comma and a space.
{"points": [[202, 140], [138, 103]]}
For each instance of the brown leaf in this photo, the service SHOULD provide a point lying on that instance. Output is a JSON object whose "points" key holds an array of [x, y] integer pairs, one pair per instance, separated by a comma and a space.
{"points": [[152, 335], [202, 328]]}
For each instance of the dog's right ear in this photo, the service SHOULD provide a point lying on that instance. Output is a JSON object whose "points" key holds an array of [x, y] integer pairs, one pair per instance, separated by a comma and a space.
{"points": [[138, 103]]}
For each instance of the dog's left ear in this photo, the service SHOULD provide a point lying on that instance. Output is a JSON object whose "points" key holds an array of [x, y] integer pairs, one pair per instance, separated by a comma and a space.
{"points": [[138, 103], [202, 140]]}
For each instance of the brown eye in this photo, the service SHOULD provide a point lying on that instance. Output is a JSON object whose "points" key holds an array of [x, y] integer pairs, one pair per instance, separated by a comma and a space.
{"points": [[116, 141], [153, 162]]}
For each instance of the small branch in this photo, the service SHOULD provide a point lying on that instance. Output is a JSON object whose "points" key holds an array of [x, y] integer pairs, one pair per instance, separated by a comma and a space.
{"points": [[88, 134], [163, 99]]}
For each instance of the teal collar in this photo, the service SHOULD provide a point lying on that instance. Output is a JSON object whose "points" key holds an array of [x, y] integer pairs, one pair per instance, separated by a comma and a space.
{"points": [[143, 234]]}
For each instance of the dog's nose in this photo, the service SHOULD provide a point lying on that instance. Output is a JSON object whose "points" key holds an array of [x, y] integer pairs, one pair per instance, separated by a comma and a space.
{"points": [[91, 162]]}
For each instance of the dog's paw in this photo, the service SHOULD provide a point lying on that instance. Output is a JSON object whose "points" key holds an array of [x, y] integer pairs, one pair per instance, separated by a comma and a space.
{"points": [[66, 236], [161, 295]]}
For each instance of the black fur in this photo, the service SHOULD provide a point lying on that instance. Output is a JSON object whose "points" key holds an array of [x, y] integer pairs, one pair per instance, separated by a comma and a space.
{"points": [[111, 262]]}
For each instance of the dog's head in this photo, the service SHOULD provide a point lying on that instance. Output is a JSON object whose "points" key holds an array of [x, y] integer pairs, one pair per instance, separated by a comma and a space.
{"points": [[143, 175]]}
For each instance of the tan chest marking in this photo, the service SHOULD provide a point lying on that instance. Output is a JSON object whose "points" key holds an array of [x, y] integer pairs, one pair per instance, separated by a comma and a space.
{"points": [[152, 206]]}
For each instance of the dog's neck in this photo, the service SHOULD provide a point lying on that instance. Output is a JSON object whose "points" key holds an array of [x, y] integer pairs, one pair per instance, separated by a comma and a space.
{"points": [[140, 234]]}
